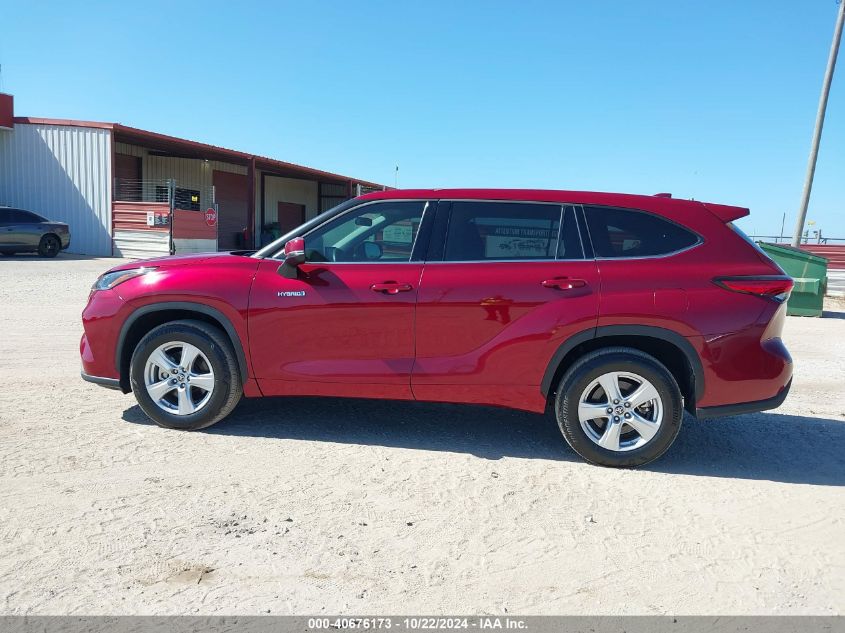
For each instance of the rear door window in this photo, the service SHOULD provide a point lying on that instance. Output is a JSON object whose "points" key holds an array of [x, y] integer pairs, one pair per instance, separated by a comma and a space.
{"points": [[502, 231], [619, 233]]}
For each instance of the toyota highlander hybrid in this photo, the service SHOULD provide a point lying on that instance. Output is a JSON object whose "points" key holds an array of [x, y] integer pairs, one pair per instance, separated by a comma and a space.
{"points": [[616, 312]]}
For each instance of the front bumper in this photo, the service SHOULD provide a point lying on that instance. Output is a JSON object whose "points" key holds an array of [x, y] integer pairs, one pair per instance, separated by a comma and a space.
{"points": [[101, 322], [108, 383]]}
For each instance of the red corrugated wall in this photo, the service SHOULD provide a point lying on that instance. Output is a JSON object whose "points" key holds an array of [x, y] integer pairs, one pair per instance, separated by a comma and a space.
{"points": [[835, 254], [132, 216]]}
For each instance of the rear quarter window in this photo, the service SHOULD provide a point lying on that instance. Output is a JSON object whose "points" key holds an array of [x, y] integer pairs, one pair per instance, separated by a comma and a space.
{"points": [[619, 233]]}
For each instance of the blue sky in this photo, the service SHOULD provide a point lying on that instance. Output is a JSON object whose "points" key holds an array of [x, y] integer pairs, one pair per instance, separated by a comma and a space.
{"points": [[708, 100]]}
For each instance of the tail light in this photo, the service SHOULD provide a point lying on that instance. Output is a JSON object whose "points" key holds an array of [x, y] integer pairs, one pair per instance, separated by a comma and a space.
{"points": [[775, 287]]}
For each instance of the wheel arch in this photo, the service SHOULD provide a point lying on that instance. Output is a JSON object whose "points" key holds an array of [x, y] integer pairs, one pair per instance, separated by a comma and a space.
{"points": [[145, 318], [670, 348]]}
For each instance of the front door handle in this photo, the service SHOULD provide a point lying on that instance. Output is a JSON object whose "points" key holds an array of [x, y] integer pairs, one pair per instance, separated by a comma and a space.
{"points": [[391, 287], [564, 283]]}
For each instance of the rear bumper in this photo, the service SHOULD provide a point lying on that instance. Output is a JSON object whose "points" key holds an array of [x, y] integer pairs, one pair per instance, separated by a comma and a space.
{"points": [[108, 383], [744, 407]]}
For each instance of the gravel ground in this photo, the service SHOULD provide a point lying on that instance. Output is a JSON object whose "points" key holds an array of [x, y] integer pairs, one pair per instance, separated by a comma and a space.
{"points": [[329, 505]]}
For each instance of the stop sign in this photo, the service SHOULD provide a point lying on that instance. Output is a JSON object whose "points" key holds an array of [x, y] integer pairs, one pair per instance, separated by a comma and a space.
{"points": [[211, 217]]}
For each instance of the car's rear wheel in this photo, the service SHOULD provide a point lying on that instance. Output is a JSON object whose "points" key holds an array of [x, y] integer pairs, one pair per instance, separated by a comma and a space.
{"points": [[619, 407], [185, 375], [49, 246]]}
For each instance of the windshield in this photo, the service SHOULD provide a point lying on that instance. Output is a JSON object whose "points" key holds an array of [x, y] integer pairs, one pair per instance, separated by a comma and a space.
{"points": [[276, 247]]}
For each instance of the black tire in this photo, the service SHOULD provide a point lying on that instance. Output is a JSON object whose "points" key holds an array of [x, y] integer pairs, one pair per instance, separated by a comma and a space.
{"points": [[216, 347], [618, 359], [49, 246]]}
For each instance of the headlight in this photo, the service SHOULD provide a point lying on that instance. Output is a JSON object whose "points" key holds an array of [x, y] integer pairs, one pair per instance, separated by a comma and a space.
{"points": [[110, 280]]}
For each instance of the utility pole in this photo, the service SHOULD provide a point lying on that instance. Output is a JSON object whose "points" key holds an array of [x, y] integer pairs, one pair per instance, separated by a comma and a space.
{"points": [[817, 132]]}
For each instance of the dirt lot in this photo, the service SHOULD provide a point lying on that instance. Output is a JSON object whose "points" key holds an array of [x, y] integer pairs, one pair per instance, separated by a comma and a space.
{"points": [[319, 505]]}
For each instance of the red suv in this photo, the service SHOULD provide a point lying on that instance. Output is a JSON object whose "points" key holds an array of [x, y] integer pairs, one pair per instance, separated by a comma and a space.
{"points": [[617, 311]]}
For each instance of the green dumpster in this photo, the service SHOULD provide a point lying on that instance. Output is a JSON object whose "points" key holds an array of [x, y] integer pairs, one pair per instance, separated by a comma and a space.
{"points": [[808, 271]]}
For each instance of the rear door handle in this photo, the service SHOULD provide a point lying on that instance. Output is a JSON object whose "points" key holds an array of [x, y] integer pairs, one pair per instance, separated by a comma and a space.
{"points": [[391, 287], [564, 283]]}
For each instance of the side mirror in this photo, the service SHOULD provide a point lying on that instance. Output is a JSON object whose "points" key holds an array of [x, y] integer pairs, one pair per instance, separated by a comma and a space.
{"points": [[294, 256], [295, 251], [372, 251]]}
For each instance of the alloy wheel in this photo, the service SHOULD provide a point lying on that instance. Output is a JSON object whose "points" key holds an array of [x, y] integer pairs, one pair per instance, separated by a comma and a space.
{"points": [[50, 246], [179, 378], [620, 411]]}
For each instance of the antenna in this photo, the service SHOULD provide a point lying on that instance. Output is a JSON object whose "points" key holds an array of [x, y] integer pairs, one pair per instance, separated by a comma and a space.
{"points": [[396, 178]]}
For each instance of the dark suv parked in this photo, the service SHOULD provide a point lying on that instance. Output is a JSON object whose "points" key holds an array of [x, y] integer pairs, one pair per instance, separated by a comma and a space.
{"points": [[24, 232]]}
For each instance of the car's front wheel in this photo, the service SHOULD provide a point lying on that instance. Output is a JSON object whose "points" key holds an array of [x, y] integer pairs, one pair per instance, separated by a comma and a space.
{"points": [[619, 407], [185, 375]]}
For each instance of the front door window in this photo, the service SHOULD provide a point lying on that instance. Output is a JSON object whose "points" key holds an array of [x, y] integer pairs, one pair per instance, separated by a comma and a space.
{"points": [[377, 232]]}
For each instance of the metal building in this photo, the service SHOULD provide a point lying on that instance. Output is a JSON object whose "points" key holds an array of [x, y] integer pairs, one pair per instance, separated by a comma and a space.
{"points": [[134, 193]]}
